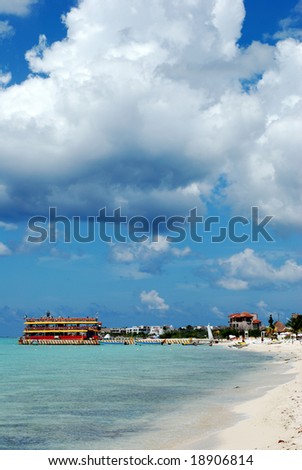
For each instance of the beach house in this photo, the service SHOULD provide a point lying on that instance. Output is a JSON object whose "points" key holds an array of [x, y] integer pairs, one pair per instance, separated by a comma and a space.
{"points": [[244, 321]]}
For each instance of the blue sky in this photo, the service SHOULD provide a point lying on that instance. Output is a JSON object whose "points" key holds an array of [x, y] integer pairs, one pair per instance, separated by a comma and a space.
{"points": [[155, 108]]}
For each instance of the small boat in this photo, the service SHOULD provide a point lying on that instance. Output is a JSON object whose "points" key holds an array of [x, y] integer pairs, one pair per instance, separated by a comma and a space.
{"points": [[201, 342], [238, 345], [210, 335], [192, 343]]}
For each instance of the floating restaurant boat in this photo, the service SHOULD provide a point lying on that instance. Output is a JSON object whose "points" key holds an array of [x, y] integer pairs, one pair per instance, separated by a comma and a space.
{"points": [[48, 330]]}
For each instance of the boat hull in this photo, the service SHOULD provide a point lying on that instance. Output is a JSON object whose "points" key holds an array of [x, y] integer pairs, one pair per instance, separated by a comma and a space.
{"points": [[58, 342]]}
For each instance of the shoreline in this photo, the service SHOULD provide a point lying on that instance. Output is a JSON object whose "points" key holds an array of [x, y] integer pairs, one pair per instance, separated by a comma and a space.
{"points": [[257, 410], [200, 424], [271, 421]]}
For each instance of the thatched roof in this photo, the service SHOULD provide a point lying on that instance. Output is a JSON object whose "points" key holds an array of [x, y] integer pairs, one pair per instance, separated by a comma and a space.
{"points": [[279, 327]]}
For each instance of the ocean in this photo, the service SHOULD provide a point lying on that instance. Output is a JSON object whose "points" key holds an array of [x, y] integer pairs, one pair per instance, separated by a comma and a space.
{"points": [[122, 397]]}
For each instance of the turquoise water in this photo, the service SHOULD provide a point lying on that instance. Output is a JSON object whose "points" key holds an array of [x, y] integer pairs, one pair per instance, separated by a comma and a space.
{"points": [[116, 396]]}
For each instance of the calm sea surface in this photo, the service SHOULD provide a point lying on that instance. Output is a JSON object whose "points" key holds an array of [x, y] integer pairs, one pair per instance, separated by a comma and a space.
{"points": [[120, 397]]}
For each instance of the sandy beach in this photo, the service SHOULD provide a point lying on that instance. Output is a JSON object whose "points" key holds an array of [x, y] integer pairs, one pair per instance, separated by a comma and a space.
{"points": [[273, 420]]}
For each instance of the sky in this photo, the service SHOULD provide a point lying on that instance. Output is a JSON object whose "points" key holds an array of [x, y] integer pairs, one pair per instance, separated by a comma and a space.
{"points": [[150, 160]]}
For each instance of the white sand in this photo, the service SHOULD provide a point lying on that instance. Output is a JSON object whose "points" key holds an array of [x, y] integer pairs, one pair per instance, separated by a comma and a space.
{"points": [[272, 421]]}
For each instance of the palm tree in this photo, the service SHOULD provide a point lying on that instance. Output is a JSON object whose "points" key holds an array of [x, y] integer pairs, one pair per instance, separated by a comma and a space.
{"points": [[295, 324], [271, 328]]}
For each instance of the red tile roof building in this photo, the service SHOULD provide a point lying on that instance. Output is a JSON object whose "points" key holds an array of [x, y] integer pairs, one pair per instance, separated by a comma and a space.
{"points": [[244, 321]]}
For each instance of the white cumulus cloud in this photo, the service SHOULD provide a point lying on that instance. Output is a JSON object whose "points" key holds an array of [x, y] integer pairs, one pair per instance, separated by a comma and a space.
{"points": [[153, 300], [4, 250], [8, 226], [5, 78], [6, 29], [148, 256], [149, 105], [248, 269], [16, 7]]}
